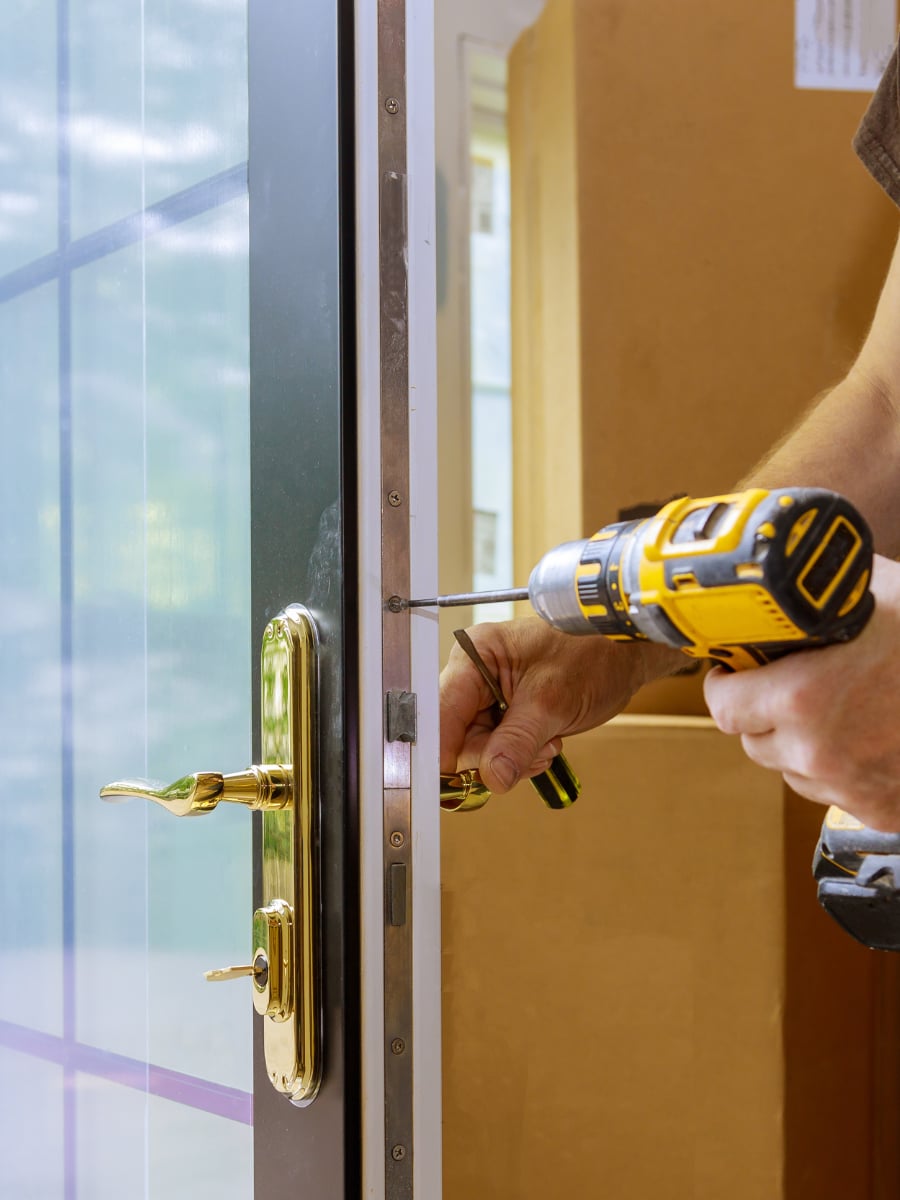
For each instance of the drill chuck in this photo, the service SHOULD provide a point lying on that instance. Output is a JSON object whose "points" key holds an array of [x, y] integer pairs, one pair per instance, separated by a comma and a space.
{"points": [[551, 589]]}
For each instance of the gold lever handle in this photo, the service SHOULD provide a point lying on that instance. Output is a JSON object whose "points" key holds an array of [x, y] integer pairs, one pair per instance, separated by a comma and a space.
{"points": [[463, 792], [258, 787]]}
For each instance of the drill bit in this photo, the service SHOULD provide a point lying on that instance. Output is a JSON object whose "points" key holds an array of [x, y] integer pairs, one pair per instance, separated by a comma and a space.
{"points": [[461, 598]]}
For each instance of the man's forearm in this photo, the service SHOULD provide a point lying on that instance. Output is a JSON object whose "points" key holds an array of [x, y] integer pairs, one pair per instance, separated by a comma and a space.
{"points": [[848, 442]]}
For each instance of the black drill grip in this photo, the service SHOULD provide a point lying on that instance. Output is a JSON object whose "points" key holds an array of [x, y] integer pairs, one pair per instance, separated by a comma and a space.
{"points": [[858, 870]]}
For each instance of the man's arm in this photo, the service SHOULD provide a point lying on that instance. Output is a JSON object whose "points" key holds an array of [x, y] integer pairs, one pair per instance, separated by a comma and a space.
{"points": [[849, 441], [829, 720]]}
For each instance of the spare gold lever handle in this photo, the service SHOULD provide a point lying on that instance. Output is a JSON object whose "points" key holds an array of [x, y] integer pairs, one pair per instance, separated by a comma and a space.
{"points": [[258, 787], [463, 792]]}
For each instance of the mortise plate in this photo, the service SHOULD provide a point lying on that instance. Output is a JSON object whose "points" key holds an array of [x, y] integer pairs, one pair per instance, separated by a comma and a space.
{"points": [[286, 928]]}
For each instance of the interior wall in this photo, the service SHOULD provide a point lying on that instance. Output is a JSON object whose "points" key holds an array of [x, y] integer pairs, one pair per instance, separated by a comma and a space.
{"points": [[729, 253], [641, 995], [546, 320], [497, 24], [732, 247]]}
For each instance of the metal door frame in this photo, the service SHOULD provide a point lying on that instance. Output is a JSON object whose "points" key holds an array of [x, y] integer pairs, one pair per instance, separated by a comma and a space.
{"points": [[342, 1141], [410, 25]]}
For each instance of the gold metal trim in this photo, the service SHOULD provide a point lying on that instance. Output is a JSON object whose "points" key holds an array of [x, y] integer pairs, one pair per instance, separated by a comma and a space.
{"points": [[286, 929]]}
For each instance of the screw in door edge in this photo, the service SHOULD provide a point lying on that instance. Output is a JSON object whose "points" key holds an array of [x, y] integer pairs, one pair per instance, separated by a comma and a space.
{"points": [[398, 1153]]}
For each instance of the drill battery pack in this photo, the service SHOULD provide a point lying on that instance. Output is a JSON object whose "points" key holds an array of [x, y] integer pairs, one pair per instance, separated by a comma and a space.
{"points": [[858, 873]]}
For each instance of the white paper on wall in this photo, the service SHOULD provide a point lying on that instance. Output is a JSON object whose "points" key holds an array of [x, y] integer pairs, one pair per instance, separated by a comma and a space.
{"points": [[842, 45]]}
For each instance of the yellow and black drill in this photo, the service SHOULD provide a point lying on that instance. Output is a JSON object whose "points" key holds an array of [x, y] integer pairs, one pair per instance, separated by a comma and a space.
{"points": [[739, 579]]}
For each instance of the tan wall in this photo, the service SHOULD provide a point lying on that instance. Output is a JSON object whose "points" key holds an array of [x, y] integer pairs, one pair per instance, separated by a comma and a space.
{"points": [[496, 23], [728, 253], [546, 323], [642, 998]]}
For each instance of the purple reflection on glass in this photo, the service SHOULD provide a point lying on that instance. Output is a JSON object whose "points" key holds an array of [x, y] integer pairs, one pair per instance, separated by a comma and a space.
{"points": [[215, 1098]]}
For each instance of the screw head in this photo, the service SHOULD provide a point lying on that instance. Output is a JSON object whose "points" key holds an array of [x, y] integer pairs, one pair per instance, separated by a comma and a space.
{"points": [[397, 839], [395, 604], [398, 1046], [392, 105], [398, 1153], [394, 499]]}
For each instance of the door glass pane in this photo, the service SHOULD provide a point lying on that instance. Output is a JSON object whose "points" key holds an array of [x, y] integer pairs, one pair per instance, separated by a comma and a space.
{"points": [[31, 864], [37, 1086], [157, 102], [125, 644], [28, 131]]}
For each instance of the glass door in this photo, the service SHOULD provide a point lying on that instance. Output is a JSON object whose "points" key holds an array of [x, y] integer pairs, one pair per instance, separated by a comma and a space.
{"points": [[156, 510]]}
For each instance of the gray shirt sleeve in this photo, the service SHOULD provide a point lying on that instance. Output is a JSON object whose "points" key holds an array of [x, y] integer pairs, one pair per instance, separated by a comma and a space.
{"points": [[877, 141]]}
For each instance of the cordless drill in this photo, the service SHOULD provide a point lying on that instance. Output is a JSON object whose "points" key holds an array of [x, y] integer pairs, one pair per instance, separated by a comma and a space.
{"points": [[741, 579]]}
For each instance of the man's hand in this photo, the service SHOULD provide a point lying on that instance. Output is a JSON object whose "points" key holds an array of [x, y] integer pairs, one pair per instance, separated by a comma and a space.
{"points": [[555, 684], [829, 719]]}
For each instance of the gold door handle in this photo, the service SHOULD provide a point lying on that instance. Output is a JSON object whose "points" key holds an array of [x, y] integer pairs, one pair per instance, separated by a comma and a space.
{"points": [[286, 958], [463, 792], [268, 787]]}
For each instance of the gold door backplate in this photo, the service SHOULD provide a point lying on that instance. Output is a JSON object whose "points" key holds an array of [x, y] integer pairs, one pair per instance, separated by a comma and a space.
{"points": [[290, 845], [285, 966]]}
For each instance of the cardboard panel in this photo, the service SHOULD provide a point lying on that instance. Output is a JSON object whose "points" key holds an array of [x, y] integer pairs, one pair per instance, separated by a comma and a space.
{"points": [[729, 253], [546, 324], [731, 245], [624, 999], [642, 997]]}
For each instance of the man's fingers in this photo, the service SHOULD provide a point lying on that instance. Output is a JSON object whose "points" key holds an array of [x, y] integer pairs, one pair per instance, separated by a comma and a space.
{"points": [[465, 705], [810, 789], [777, 753], [765, 749], [739, 702], [520, 742]]}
